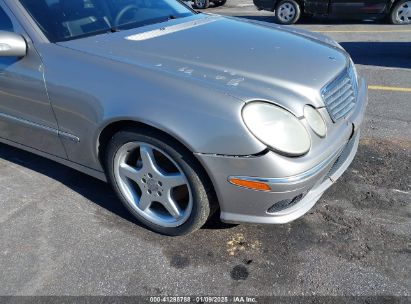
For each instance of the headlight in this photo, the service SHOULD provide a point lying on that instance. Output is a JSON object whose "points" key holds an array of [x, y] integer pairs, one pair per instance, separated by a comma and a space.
{"points": [[277, 128], [315, 121]]}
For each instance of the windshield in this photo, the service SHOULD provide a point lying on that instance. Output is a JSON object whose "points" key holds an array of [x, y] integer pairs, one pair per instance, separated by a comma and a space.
{"points": [[62, 20]]}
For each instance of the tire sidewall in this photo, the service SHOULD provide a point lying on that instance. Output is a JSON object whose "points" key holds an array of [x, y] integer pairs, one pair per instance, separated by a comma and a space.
{"points": [[201, 202], [297, 12]]}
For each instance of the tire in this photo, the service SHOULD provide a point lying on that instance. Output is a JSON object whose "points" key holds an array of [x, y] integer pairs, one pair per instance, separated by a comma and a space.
{"points": [[287, 12], [202, 4], [396, 15], [143, 193], [220, 3]]}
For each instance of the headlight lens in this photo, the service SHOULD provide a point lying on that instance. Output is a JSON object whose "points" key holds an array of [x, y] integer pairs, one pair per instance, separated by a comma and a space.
{"points": [[315, 121], [277, 128]]}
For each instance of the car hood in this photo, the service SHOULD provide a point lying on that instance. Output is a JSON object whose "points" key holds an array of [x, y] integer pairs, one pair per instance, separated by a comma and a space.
{"points": [[248, 60]]}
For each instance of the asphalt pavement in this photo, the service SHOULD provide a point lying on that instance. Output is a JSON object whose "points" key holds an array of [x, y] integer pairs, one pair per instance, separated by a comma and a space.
{"points": [[64, 233]]}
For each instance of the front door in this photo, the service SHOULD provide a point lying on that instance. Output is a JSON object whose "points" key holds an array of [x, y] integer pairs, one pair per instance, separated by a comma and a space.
{"points": [[26, 116]]}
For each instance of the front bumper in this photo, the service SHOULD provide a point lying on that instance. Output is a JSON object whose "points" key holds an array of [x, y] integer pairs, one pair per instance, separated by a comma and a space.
{"points": [[301, 190]]}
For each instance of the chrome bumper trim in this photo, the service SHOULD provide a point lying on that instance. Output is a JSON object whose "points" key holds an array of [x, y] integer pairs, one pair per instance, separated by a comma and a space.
{"points": [[296, 178]]}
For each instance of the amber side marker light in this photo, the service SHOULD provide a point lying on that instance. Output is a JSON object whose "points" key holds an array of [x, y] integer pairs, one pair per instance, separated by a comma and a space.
{"points": [[250, 184]]}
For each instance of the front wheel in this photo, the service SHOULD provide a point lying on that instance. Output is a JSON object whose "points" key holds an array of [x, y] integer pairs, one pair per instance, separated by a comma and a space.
{"points": [[401, 13], [202, 4], [287, 12], [158, 181]]}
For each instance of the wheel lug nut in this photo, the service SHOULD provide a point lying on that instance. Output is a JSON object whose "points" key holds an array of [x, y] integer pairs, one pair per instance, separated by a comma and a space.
{"points": [[160, 184], [149, 191], [143, 180], [149, 175], [159, 193]]}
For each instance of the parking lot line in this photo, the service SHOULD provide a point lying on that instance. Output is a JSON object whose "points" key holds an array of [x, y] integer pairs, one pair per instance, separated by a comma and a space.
{"points": [[385, 88], [363, 31]]}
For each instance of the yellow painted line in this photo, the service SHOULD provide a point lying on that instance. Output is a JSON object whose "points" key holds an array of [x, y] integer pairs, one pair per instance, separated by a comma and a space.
{"points": [[384, 88], [363, 31]]}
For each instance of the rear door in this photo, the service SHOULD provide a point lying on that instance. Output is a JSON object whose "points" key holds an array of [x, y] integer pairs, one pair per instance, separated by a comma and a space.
{"points": [[26, 116]]}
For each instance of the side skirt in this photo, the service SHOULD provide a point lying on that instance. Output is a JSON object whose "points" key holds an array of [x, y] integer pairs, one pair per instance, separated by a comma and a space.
{"points": [[94, 173]]}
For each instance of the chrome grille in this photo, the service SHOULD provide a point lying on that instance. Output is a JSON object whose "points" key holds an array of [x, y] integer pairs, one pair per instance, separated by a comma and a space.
{"points": [[340, 95]]}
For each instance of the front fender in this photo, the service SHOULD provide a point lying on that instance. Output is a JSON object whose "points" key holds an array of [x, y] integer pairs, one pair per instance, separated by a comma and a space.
{"points": [[204, 119]]}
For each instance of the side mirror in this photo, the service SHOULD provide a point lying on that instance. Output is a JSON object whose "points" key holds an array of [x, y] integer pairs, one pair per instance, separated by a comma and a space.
{"points": [[12, 45]]}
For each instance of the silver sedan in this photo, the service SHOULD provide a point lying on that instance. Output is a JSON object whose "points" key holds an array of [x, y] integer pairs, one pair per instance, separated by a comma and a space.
{"points": [[183, 113]]}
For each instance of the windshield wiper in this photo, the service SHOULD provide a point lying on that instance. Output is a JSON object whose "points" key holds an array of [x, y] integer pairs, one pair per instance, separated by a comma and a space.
{"points": [[114, 29], [90, 34]]}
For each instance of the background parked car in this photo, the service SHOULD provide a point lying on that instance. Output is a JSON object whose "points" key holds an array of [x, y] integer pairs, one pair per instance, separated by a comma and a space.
{"points": [[206, 3], [289, 11]]}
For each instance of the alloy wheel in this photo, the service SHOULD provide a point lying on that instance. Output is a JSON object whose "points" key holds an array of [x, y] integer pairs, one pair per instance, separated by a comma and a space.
{"points": [[153, 184]]}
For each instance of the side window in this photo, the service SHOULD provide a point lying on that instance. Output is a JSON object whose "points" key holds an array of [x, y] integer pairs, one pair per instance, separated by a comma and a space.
{"points": [[5, 22]]}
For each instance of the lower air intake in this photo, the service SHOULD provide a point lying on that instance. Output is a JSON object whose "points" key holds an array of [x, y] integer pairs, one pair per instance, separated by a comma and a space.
{"points": [[284, 204]]}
